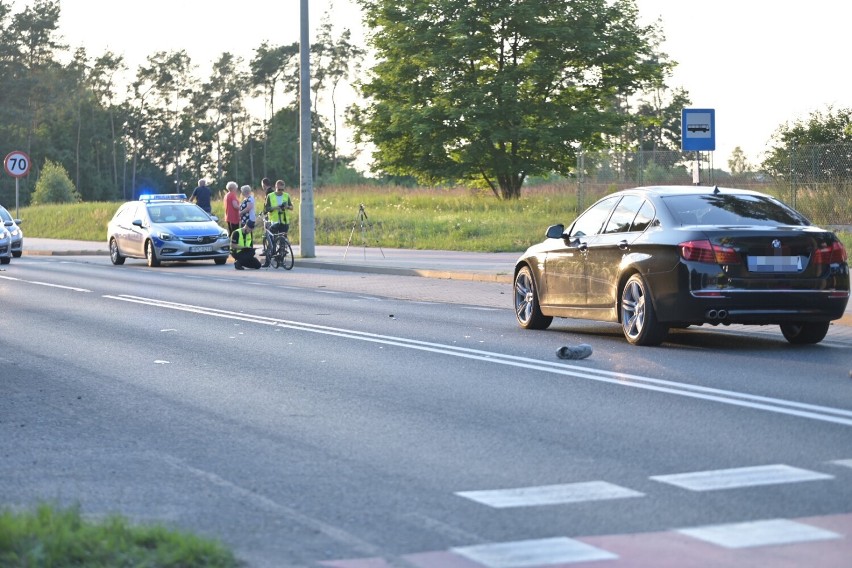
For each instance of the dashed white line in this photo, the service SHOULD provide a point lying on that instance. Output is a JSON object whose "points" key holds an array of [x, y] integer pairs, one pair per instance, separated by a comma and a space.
{"points": [[550, 494], [758, 533], [72, 288], [740, 477], [521, 553]]}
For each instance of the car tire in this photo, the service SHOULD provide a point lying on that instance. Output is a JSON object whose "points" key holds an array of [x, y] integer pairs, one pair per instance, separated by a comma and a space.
{"points": [[17, 253], [638, 318], [527, 308], [151, 255], [114, 254], [805, 333], [221, 260], [6, 260]]}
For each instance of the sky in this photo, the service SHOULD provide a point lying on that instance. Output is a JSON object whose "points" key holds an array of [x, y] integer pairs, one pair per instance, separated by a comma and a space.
{"points": [[758, 63]]}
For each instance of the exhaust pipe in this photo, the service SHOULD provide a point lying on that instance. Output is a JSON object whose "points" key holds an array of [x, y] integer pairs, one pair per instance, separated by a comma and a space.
{"points": [[716, 314]]}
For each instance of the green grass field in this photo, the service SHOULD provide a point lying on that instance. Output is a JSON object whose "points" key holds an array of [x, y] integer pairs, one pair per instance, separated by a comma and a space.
{"points": [[427, 219]]}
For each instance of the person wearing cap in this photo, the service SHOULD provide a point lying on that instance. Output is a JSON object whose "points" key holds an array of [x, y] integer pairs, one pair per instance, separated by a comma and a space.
{"points": [[201, 195], [247, 212], [277, 204], [242, 249]]}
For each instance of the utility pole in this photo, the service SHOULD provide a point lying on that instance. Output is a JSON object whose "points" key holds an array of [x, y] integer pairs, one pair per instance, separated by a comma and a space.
{"points": [[306, 203]]}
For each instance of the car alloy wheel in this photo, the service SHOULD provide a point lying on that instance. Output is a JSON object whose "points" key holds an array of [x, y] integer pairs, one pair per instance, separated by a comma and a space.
{"points": [[638, 319], [527, 308]]}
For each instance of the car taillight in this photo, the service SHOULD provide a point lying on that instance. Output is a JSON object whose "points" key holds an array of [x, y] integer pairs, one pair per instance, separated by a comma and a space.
{"points": [[705, 251], [835, 253]]}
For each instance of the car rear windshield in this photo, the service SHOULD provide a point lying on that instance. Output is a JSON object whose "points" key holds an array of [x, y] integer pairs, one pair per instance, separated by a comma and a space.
{"points": [[731, 209]]}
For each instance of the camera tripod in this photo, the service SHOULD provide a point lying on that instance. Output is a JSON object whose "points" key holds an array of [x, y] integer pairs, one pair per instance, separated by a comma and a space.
{"points": [[363, 221]]}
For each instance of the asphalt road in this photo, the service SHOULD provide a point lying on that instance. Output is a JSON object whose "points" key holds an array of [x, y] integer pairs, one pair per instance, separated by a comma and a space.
{"points": [[326, 418]]}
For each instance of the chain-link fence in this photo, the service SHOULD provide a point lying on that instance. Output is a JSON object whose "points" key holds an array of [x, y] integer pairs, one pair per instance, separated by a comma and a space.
{"points": [[816, 180]]}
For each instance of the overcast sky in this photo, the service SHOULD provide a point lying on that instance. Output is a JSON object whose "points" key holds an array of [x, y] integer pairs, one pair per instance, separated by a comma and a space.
{"points": [[758, 63]]}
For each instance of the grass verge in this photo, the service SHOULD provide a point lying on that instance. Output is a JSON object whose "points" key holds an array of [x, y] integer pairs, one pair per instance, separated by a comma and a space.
{"points": [[58, 538], [426, 219]]}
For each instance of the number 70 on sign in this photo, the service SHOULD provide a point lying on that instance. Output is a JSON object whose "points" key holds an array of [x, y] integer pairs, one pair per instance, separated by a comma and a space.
{"points": [[17, 164]]}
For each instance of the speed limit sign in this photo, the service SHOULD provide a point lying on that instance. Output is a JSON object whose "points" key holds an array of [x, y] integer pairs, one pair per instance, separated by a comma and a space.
{"points": [[17, 164]]}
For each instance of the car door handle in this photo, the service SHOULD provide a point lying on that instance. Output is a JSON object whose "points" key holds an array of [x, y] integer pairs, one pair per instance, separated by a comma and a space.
{"points": [[623, 245]]}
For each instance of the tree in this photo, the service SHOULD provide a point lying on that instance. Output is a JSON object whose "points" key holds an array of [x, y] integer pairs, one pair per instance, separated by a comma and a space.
{"points": [[819, 147], [332, 60], [496, 90], [738, 163], [54, 186]]}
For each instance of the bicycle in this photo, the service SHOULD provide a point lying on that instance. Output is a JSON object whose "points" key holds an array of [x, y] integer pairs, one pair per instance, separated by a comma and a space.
{"points": [[276, 247]]}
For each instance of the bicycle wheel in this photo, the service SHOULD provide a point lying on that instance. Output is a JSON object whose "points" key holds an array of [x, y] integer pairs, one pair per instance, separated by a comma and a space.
{"points": [[284, 253], [268, 251]]}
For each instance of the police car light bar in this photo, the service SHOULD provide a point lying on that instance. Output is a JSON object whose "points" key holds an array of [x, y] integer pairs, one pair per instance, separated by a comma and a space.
{"points": [[163, 197]]}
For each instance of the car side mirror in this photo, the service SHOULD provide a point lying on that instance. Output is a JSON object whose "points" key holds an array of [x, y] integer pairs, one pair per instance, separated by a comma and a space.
{"points": [[19, 221], [137, 222], [555, 231]]}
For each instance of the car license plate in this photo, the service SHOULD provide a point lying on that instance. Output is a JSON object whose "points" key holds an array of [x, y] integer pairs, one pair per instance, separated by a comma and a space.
{"points": [[775, 263], [200, 249]]}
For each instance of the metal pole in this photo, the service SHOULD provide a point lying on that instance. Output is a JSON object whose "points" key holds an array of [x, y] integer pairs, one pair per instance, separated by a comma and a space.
{"points": [[17, 214], [306, 205]]}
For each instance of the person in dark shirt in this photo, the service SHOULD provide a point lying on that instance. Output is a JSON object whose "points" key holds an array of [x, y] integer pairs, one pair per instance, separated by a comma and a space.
{"points": [[201, 195]]}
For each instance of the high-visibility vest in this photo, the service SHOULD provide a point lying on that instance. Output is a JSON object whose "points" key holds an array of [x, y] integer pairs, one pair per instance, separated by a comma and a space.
{"points": [[244, 240], [275, 200]]}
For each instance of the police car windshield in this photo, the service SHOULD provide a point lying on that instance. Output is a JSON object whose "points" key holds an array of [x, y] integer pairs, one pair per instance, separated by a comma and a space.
{"points": [[176, 213]]}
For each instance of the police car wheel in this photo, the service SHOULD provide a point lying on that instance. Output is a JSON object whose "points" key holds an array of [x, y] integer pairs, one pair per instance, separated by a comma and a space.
{"points": [[151, 254]]}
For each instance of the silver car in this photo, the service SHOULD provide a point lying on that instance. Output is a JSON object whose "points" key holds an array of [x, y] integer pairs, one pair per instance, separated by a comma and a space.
{"points": [[12, 225], [165, 227], [5, 246]]}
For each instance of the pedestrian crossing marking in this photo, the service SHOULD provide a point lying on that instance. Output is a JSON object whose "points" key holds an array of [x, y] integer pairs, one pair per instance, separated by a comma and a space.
{"points": [[549, 494], [759, 533], [740, 477], [522, 553], [844, 463]]}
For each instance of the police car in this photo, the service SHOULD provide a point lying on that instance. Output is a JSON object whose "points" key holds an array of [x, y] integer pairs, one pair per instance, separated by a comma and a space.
{"points": [[15, 231], [5, 245], [165, 227]]}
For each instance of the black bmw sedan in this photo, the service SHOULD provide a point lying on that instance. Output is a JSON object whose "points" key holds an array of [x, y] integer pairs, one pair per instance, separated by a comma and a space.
{"points": [[654, 258]]}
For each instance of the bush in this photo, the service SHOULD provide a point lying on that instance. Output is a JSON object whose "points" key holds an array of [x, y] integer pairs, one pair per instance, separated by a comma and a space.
{"points": [[54, 186]]}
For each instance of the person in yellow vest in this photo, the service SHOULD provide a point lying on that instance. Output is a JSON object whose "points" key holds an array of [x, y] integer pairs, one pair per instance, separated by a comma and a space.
{"points": [[277, 204], [242, 249]]}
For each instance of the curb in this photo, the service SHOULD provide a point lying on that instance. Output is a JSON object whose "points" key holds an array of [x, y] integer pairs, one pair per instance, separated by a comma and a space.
{"points": [[321, 264], [65, 253], [396, 271]]}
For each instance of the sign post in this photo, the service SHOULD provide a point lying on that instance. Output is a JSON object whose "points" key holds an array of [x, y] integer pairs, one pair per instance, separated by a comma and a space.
{"points": [[698, 133], [17, 165]]}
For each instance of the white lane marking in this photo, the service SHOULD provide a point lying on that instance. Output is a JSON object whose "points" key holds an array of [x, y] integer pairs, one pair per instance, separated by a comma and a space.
{"points": [[740, 477], [45, 284], [481, 309], [776, 405], [758, 533], [844, 463], [550, 494], [521, 553]]}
